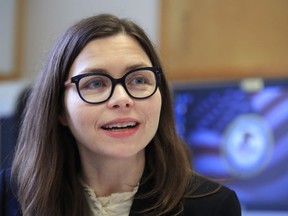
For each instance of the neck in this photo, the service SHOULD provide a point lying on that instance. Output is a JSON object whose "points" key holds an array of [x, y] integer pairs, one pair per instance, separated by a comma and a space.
{"points": [[107, 176]]}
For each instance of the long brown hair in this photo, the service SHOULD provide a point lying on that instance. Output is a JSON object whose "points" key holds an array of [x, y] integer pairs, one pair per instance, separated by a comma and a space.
{"points": [[47, 164]]}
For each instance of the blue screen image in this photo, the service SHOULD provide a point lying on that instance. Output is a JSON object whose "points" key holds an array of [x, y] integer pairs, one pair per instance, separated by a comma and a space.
{"points": [[238, 137]]}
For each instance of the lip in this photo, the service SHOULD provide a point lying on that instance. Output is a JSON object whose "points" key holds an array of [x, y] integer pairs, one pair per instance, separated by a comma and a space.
{"points": [[121, 133], [119, 120]]}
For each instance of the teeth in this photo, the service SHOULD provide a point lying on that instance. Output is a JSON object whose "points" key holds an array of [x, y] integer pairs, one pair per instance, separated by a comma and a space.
{"points": [[120, 125]]}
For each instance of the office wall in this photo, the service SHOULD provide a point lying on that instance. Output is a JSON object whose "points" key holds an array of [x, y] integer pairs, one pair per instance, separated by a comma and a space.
{"points": [[224, 39], [46, 20]]}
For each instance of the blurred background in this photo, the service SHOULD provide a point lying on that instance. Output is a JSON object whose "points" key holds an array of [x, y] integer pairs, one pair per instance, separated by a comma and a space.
{"points": [[228, 66]]}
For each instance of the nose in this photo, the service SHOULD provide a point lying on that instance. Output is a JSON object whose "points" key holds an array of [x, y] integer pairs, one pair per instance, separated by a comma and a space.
{"points": [[120, 98]]}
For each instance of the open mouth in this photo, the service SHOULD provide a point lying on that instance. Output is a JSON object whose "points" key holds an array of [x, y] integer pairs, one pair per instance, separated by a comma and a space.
{"points": [[120, 126]]}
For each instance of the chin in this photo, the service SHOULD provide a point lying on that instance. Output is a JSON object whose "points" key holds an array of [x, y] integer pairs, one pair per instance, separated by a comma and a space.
{"points": [[128, 154]]}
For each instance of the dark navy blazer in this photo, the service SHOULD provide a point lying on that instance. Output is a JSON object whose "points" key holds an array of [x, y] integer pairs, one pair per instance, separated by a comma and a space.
{"points": [[8, 202], [224, 202]]}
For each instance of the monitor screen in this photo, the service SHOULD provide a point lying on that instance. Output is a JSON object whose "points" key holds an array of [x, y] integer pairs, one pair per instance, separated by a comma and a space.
{"points": [[238, 133]]}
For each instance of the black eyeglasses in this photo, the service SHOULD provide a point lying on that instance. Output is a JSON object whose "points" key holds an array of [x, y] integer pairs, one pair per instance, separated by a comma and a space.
{"points": [[97, 87]]}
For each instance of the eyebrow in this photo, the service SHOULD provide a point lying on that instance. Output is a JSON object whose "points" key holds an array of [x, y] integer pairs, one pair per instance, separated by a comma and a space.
{"points": [[102, 70], [132, 67]]}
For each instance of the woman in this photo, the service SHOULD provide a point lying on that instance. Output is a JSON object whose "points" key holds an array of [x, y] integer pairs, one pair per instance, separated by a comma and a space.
{"points": [[98, 135]]}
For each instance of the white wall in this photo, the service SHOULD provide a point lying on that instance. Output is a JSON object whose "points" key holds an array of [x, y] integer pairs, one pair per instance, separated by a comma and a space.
{"points": [[7, 20], [46, 20], [9, 96]]}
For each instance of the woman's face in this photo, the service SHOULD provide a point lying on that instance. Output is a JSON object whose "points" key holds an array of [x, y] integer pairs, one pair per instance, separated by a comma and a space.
{"points": [[91, 124]]}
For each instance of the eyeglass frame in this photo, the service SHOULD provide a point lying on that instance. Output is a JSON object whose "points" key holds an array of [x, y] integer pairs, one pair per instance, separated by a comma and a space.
{"points": [[114, 81]]}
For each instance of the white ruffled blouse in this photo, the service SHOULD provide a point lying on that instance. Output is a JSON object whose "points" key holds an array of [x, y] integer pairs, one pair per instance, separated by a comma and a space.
{"points": [[117, 204]]}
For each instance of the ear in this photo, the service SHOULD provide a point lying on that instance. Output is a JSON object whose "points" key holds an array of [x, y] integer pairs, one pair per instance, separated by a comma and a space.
{"points": [[63, 119]]}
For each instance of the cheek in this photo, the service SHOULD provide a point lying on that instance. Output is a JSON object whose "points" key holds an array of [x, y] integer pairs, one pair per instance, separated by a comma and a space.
{"points": [[75, 118], [82, 122], [78, 114], [153, 109]]}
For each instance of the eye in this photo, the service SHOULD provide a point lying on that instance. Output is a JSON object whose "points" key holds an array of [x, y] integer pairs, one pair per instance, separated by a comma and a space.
{"points": [[139, 80], [93, 83]]}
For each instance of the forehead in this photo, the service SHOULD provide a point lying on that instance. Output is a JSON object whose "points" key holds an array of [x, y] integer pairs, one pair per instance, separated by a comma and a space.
{"points": [[115, 52]]}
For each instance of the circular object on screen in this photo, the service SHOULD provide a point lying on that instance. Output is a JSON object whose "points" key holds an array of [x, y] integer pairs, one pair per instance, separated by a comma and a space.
{"points": [[247, 145]]}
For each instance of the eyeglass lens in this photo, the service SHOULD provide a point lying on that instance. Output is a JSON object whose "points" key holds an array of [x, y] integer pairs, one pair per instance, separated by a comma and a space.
{"points": [[98, 88]]}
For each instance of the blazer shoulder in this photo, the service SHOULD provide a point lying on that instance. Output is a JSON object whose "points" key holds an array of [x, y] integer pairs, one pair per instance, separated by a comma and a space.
{"points": [[212, 198], [4, 180], [8, 202]]}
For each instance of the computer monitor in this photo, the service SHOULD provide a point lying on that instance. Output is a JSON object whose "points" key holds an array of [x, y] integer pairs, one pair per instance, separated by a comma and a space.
{"points": [[238, 132]]}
